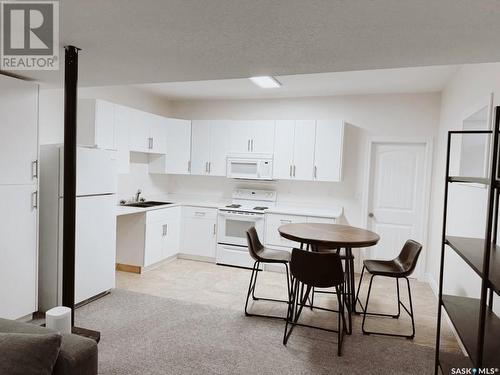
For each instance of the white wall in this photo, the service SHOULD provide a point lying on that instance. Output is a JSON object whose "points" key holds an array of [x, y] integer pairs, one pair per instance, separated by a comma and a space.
{"points": [[51, 123], [401, 115], [466, 92]]}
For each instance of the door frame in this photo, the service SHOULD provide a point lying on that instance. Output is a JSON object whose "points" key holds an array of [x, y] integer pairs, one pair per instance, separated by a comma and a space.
{"points": [[428, 143]]}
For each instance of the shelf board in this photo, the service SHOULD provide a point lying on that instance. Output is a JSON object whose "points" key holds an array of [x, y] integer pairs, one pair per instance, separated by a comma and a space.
{"points": [[449, 361], [464, 314], [471, 250], [469, 180]]}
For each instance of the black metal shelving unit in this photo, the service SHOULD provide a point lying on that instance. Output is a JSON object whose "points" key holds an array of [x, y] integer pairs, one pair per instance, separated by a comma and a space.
{"points": [[473, 318]]}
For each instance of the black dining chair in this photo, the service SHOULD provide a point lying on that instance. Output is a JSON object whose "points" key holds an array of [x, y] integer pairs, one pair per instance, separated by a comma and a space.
{"points": [[262, 255], [320, 270], [398, 268]]}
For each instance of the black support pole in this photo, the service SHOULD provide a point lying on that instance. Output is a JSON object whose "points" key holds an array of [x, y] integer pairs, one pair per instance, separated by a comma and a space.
{"points": [[69, 207]]}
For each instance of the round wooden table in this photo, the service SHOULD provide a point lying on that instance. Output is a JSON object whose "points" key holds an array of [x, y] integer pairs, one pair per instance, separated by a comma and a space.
{"points": [[318, 237]]}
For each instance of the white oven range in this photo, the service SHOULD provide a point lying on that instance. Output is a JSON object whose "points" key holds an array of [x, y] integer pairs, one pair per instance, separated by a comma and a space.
{"points": [[247, 210]]}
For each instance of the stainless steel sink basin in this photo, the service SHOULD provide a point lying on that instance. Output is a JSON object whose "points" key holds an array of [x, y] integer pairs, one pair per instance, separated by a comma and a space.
{"points": [[147, 204]]}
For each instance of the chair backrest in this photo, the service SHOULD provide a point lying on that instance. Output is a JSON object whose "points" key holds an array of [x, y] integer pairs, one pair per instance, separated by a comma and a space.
{"points": [[255, 247], [408, 256], [322, 270]]}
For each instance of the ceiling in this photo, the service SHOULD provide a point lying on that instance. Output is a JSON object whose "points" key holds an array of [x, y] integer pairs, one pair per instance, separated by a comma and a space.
{"points": [[383, 81], [149, 41]]}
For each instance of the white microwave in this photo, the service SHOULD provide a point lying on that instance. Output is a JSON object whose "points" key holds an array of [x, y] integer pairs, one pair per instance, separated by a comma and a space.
{"points": [[250, 167]]}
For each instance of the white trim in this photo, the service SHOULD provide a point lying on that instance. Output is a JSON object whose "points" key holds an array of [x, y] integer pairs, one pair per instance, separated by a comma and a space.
{"points": [[429, 149]]}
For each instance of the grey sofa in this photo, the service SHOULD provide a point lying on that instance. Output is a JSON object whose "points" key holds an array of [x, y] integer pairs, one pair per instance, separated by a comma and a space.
{"points": [[77, 355]]}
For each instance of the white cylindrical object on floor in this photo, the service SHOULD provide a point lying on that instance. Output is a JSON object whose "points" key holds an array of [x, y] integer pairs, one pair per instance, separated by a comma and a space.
{"points": [[59, 318]]}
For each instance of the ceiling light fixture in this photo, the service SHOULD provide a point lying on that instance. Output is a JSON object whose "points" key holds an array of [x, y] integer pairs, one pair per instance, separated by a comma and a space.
{"points": [[266, 82]]}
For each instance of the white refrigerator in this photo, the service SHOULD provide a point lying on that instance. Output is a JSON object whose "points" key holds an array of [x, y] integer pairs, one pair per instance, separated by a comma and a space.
{"points": [[95, 224]]}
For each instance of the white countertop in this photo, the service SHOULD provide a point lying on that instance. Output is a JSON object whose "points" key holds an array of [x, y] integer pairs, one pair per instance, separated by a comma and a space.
{"points": [[215, 202]]}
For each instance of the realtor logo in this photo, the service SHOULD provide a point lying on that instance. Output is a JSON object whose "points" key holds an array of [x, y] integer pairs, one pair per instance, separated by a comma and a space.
{"points": [[30, 35]]}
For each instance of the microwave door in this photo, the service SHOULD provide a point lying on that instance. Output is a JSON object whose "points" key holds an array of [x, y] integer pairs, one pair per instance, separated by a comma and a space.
{"points": [[244, 169]]}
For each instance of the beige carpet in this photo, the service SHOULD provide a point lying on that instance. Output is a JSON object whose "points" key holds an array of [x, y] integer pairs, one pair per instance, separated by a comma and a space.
{"points": [[143, 334]]}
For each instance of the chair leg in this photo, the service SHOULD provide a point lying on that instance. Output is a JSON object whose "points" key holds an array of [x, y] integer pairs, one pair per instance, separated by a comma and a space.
{"points": [[251, 286], [359, 287], [291, 310], [251, 292], [410, 312], [341, 320]]}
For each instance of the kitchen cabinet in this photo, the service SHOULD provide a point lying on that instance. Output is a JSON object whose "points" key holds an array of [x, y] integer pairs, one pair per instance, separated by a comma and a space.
{"points": [[18, 198], [146, 238], [148, 133], [18, 131], [96, 124], [252, 136], [162, 235], [199, 232], [139, 131], [328, 150], [274, 221], [18, 251], [177, 159], [123, 121], [209, 146], [294, 150]]}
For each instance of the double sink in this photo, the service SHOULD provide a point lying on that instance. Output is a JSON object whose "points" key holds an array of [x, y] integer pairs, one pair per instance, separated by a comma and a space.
{"points": [[147, 204]]}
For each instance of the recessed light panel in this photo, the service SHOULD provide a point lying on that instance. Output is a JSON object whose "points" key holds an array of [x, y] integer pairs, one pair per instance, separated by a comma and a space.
{"points": [[266, 82]]}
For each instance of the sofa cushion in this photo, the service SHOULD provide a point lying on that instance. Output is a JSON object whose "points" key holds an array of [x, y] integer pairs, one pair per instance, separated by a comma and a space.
{"points": [[28, 354], [78, 355]]}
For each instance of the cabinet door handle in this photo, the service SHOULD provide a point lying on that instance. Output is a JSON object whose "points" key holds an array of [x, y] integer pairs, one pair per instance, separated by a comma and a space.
{"points": [[215, 229], [283, 221], [165, 230], [152, 143], [291, 170], [294, 167], [189, 165], [34, 169], [251, 145], [315, 172], [206, 167], [199, 213], [34, 200], [248, 145]]}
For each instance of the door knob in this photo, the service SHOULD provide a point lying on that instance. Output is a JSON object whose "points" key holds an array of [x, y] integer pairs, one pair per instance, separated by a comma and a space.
{"points": [[371, 214]]}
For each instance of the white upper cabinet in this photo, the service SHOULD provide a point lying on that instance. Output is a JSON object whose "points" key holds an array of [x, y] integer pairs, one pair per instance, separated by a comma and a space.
{"points": [[177, 159], [209, 146], [96, 124], [158, 134], [252, 136], [328, 150], [303, 150], [148, 133], [283, 149], [219, 144], [200, 146], [178, 146], [139, 132], [18, 131], [294, 150], [123, 121]]}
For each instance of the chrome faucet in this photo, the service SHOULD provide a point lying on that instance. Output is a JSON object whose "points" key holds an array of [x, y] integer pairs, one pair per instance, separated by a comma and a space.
{"points": [[137, 195]]}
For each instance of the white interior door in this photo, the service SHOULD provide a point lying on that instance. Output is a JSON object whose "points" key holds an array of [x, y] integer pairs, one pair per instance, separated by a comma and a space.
{"points": [[395, 206]]}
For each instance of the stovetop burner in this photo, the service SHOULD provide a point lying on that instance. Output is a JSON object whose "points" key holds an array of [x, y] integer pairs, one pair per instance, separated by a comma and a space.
{"points": [[234, 206], [260, 208]]}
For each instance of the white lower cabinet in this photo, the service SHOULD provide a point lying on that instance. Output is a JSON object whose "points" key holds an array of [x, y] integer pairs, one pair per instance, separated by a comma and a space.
{"points": [[199, 232], [18, 251], [144, 239], [274, 221]]}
